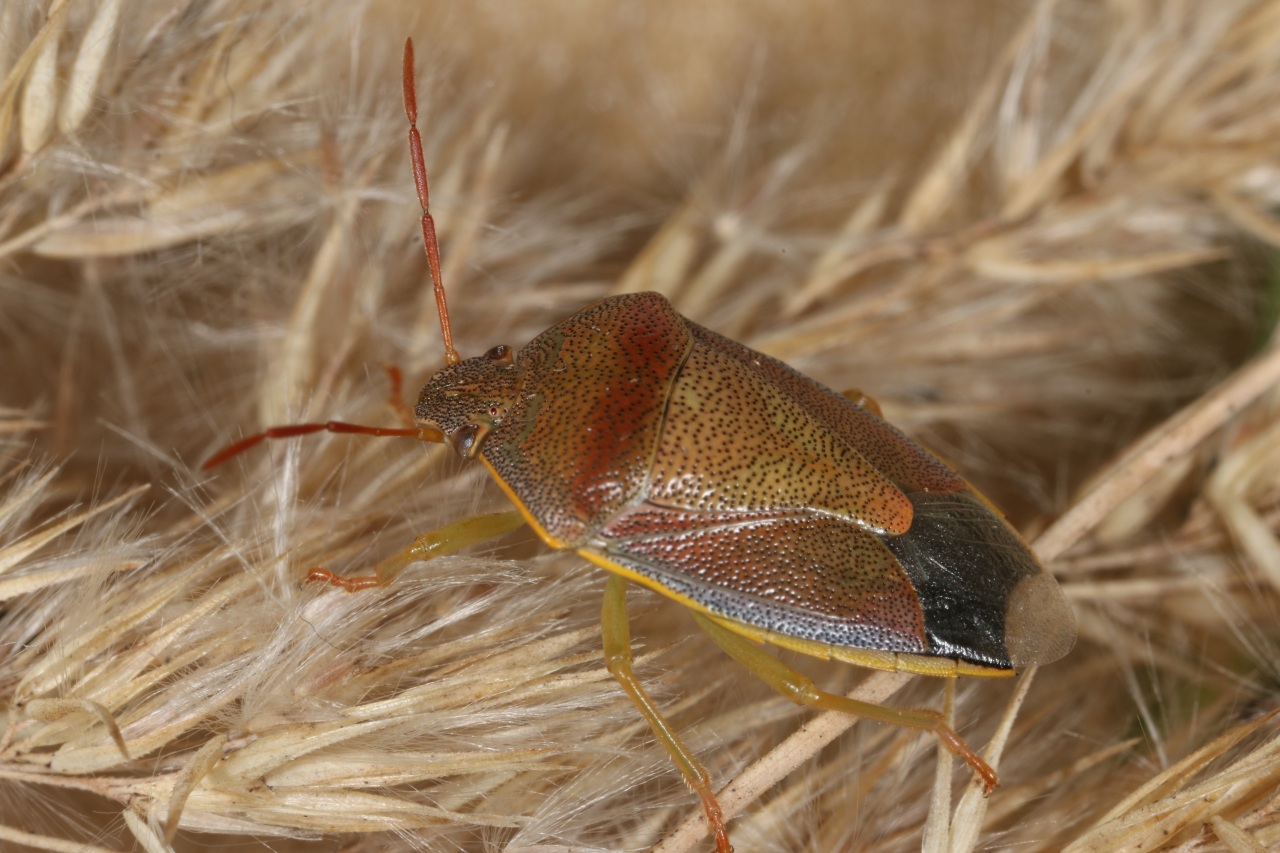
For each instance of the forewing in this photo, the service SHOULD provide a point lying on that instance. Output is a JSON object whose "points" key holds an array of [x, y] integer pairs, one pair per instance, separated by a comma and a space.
{"points": [[984, 596], [808, 576]]}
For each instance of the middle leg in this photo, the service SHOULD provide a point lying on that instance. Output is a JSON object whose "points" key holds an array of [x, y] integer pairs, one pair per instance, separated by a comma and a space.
{"points": [[617, 657]]}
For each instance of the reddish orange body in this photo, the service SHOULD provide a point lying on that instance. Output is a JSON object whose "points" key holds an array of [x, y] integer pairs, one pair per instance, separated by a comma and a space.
{"points": [[774, 508], [727, 480]]}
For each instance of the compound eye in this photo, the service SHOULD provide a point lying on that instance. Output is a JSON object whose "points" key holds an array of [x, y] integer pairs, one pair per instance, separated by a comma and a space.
{"points": [[466, 439], [501, 352]]}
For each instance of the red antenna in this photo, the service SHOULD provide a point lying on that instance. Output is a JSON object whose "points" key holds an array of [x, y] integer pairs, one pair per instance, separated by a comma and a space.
{"points": [[430, 434], [429, 241], [292, 430], [432, 247]]}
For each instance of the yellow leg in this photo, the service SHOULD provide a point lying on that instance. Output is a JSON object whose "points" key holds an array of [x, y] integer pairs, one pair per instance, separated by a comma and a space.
{"points": [[617, 657], [800, 689], [437, 543], [866, 401]]}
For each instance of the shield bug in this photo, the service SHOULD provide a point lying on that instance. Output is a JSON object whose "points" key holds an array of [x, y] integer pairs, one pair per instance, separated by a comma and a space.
{"points": [[775, 509]]}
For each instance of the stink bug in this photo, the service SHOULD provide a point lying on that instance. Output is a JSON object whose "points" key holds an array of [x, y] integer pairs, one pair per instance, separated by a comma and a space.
{"points": [[773, 508]]}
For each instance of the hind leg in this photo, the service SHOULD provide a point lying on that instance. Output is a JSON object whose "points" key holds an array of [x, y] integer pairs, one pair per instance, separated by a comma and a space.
{"points": [[800, 689]]}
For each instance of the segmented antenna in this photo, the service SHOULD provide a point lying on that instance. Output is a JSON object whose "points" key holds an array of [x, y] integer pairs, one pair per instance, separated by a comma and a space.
{"points": [[432, 247], [429, 434], [429, 242]]}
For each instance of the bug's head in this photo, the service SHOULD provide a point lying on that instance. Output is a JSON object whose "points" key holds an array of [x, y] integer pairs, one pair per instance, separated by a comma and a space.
{"points": [[468, 399]]}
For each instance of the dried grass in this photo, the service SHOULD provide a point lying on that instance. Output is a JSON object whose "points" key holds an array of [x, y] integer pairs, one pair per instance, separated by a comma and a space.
{"points": [[1042, 235]]}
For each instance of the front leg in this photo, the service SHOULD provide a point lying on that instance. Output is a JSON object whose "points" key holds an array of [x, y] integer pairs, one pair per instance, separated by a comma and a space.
{"points": [[437, 543]]}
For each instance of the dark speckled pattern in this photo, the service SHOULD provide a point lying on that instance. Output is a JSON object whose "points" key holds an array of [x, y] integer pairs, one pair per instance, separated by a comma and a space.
{"points": [[810, 576], [894, 455], [578, 444], [735, 482], [732, 440]]}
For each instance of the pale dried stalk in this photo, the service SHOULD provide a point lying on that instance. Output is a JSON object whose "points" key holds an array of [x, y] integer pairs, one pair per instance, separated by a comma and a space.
{"points": [[1174, 439]]}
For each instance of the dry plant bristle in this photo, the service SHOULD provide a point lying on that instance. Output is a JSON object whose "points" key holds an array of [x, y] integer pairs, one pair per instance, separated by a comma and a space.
{"points": [[1045, 237]]}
